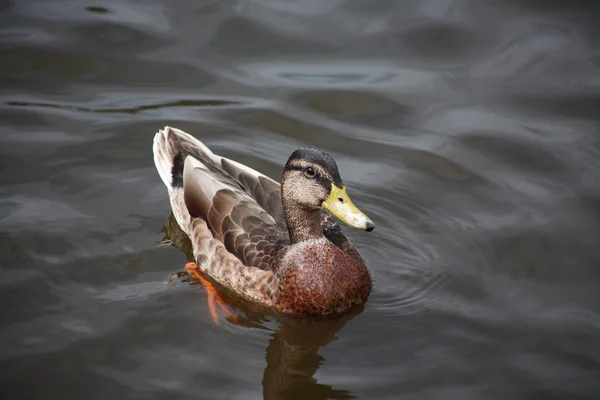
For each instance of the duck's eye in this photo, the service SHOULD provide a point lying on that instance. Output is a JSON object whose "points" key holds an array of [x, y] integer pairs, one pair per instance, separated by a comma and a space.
{"points": [[310, 172]]}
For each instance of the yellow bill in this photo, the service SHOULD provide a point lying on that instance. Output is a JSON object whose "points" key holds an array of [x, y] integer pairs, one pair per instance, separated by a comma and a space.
{"points": [[341, 206]]}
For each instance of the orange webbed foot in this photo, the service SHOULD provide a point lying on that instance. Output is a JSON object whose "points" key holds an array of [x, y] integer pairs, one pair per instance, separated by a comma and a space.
{"points": [[193, 269]]}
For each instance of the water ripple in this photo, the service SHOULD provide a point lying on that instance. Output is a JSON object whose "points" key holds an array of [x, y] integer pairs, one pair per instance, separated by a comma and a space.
{"points": [[133, 110]]}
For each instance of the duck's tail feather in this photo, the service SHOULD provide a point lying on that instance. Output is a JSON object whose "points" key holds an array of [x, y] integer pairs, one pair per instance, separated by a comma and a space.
{"points": [[171, 147]]}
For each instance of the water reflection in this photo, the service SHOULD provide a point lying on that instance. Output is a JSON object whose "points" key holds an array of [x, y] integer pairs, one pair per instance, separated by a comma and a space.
{"points": [[293, 359], [292, 354]]}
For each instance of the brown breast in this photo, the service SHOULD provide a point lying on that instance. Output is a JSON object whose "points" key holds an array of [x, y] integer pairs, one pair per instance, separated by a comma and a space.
{"points": [[320, 278]]}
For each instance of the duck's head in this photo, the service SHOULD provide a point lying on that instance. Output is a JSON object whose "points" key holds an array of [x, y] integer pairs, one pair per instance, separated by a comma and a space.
{"points": [[311, 179]]}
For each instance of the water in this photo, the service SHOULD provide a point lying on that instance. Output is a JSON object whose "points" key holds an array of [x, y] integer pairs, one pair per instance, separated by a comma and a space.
{"points": [[467, 130]]}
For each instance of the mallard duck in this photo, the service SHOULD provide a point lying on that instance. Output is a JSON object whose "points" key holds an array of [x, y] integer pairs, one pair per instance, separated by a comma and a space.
{"points": [[270, 243]]}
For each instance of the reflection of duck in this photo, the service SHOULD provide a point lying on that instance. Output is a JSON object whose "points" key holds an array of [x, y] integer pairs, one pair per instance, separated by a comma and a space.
{"points": [[293, 359], [292, 354], [267, 242]]}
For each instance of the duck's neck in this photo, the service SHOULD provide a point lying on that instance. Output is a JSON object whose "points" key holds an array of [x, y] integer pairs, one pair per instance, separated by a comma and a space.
{"points": [[303, 223]]}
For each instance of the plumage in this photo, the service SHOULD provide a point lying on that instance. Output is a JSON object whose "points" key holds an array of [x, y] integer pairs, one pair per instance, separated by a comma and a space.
{"points": [[269, 242]]}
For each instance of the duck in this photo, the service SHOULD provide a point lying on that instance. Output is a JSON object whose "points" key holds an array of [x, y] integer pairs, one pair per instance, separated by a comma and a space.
{"points": [[271, 243]]}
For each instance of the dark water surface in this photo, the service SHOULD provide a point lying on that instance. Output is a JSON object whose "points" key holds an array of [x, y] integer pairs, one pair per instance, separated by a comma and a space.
{"points": [[467, 130]]}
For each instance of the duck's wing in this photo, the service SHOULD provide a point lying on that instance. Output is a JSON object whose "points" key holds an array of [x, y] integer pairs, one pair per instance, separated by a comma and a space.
{"points": [[264, 190], [234, 217], [226, 203]]}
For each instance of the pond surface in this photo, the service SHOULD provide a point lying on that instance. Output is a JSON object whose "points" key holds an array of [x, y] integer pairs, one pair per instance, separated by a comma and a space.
{"points": [[467, 130]]}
